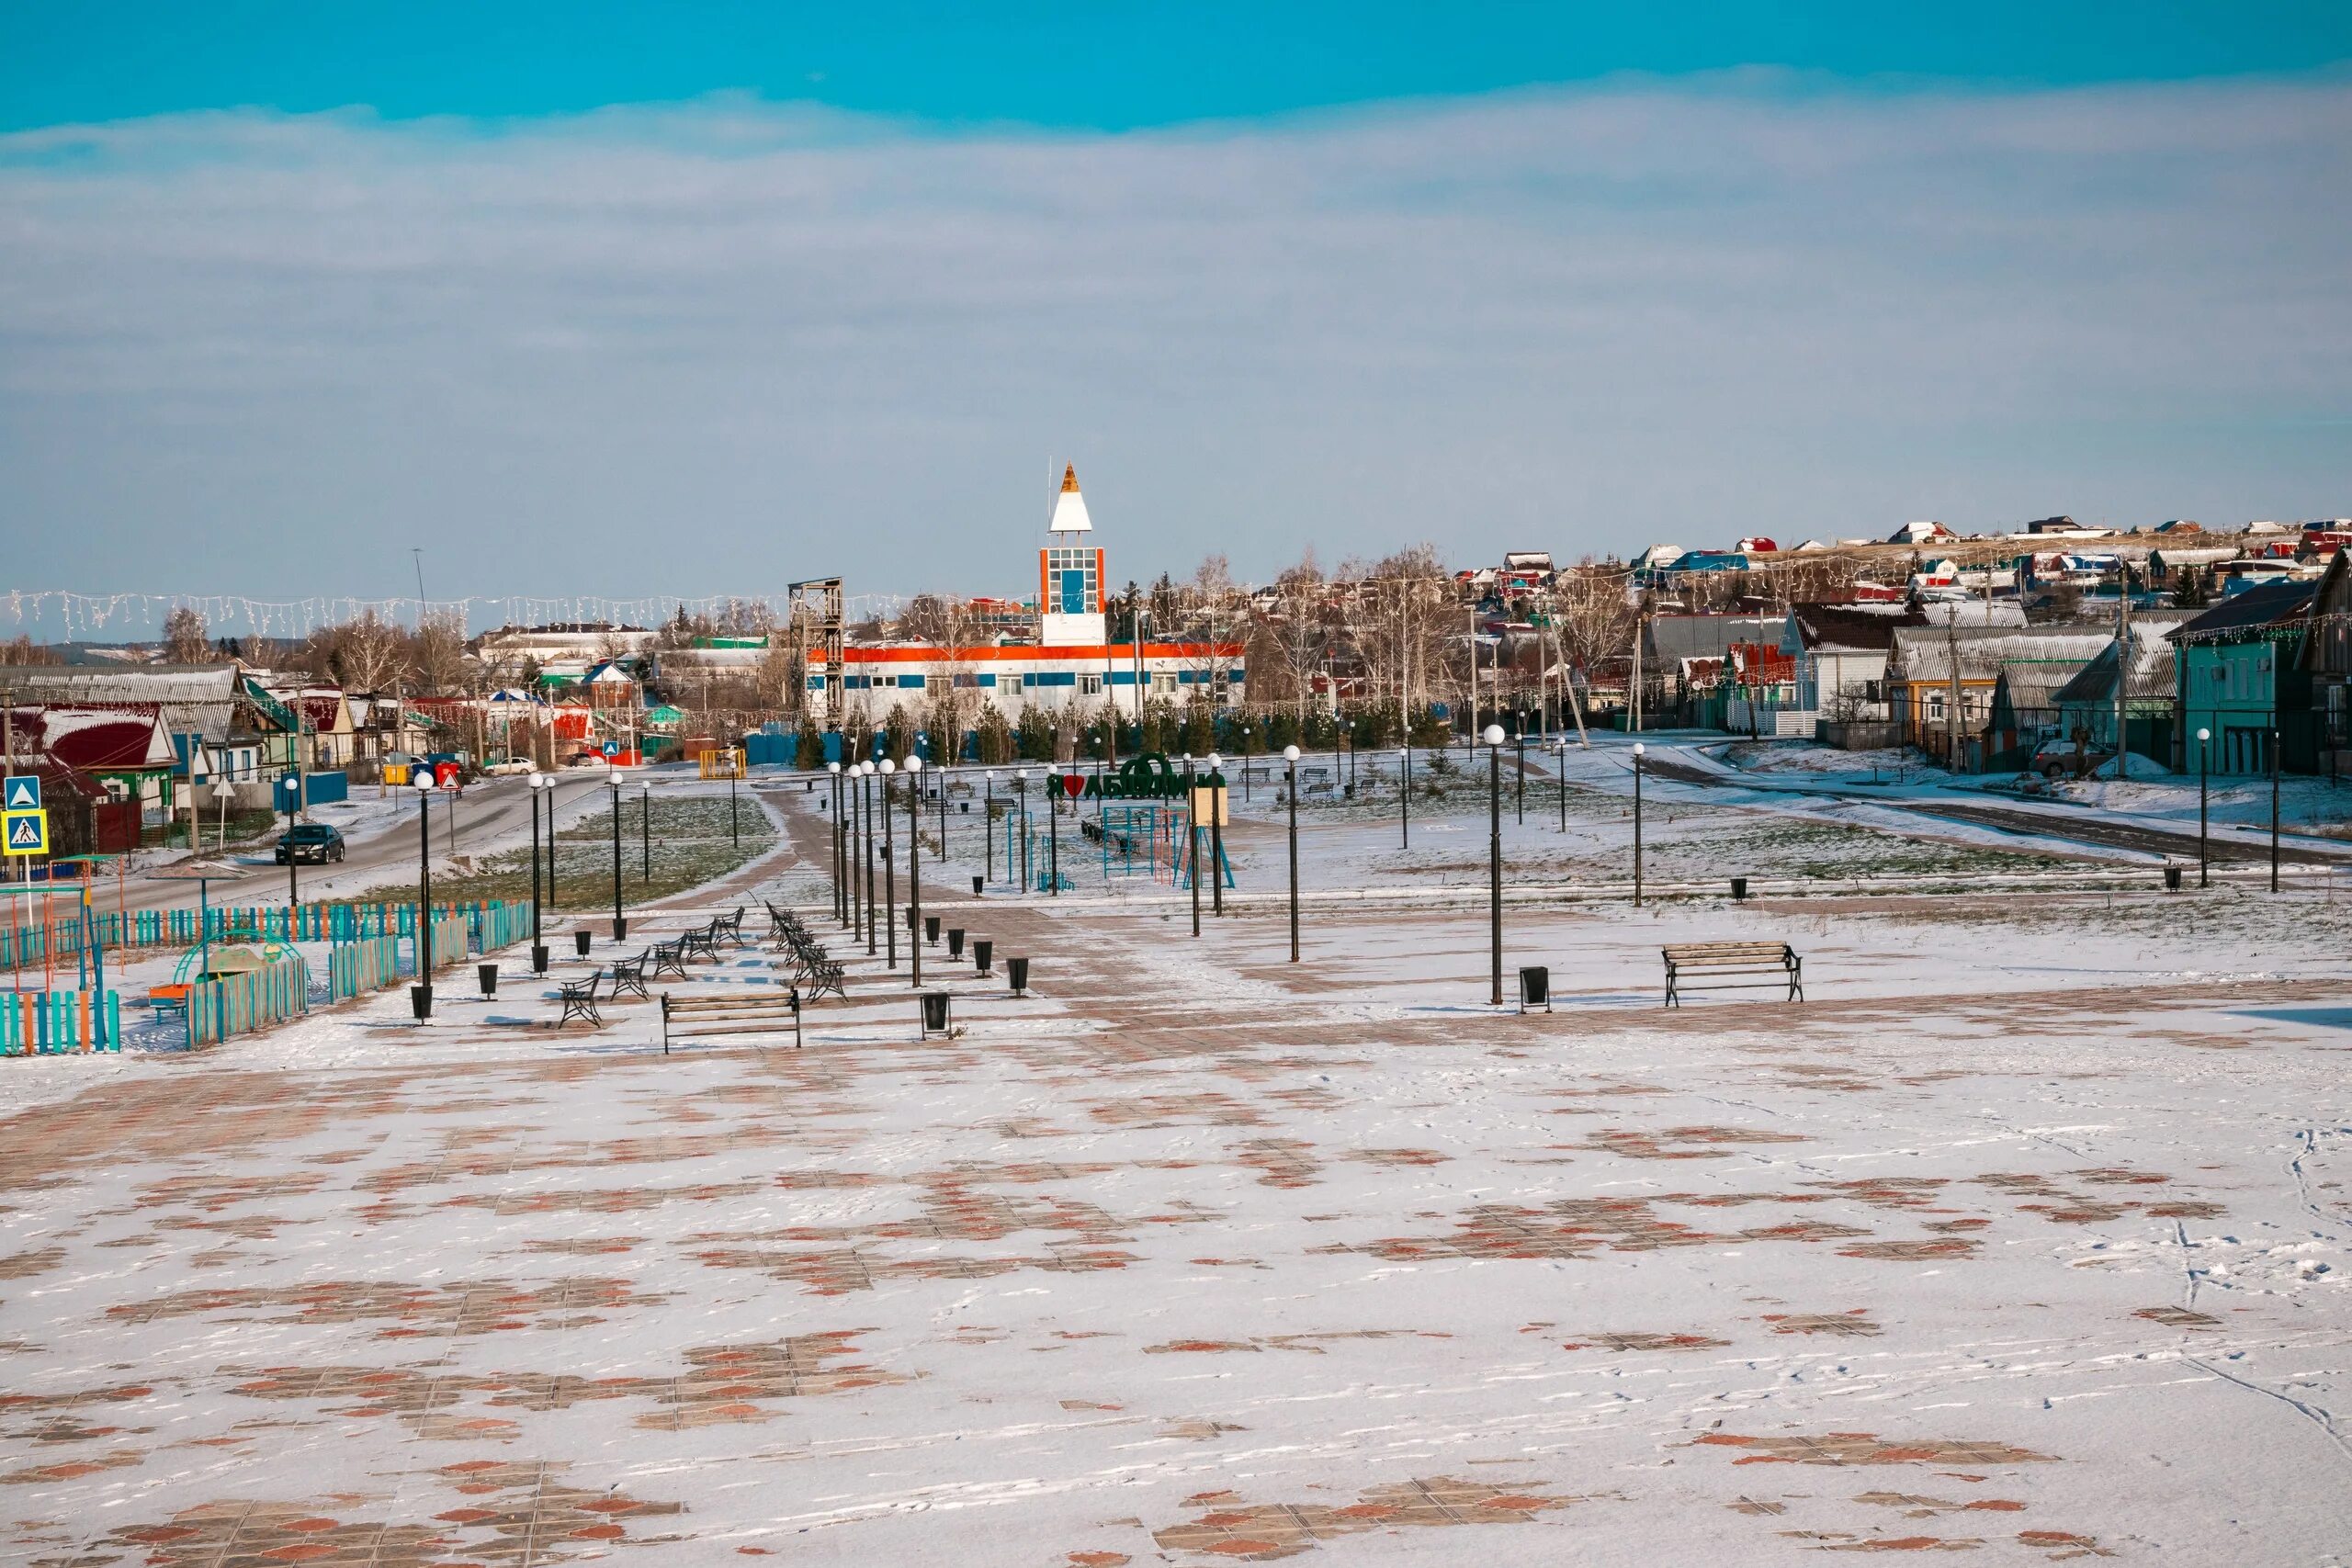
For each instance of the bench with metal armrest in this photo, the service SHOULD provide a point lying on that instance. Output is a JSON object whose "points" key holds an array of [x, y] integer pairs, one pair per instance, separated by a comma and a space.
{"points": [[753, 1010], [1731, 966], [580, 999]]}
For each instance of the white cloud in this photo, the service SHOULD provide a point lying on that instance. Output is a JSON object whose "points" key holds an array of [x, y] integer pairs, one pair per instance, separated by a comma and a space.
{"points": [[712, 346]]}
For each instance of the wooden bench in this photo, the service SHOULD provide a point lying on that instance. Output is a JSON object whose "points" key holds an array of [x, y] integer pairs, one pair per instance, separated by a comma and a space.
{"points": [[629, 976], [756, 1009], [166, 1000], [1731, 966], [580, 999]]}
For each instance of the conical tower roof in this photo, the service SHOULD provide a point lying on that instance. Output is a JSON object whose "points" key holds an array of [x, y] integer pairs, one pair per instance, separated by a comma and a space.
{"points": [[1069, 507]]}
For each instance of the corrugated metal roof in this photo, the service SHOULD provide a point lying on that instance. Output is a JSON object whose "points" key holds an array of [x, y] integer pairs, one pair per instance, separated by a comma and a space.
{"points": [[1924, 653]]}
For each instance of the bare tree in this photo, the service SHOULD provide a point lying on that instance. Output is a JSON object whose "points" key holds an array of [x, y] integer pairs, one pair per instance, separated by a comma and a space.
{"points": [[1293, 629], [185, 641], [23, 650], [438, 651]]}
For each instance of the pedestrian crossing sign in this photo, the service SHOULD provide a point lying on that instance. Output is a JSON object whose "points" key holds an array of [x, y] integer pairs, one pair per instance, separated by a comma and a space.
{"points": [[21, 792], [27, 833]]}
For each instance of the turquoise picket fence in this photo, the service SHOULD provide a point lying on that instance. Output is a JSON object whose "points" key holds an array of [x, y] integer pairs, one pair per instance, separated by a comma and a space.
{"points": [[450, 935], [501, 925], [238, 1004], [114, 929], [356, 968], [41, 1024]]}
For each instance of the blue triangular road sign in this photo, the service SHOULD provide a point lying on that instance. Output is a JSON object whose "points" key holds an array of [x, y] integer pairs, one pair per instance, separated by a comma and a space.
{"points": [[22, 793]]}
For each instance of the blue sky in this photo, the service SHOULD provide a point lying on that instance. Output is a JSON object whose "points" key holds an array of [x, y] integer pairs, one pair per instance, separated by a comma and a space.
{"points": [[590, 299], [1110, 66]]}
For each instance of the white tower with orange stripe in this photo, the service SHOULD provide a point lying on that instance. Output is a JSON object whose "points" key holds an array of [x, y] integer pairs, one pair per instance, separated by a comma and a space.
{"points": [[1069, 574]]}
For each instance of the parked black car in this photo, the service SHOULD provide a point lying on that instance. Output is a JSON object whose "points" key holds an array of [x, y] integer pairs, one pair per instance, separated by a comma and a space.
{"points": [[315, 843]]}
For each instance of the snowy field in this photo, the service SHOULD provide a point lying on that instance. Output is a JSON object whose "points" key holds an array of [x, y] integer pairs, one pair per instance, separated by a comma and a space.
{"points": [[2025, 1235]]}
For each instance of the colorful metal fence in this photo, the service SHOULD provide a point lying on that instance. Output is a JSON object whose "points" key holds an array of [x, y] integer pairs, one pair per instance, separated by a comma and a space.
{"points": [[117, 929], [449, 940], [49, 1022], [238, 1004], [501, 925], [354, 968]]}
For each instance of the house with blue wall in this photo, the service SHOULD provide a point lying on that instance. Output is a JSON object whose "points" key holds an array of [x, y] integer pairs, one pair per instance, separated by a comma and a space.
{"points": [[2238, 673]]}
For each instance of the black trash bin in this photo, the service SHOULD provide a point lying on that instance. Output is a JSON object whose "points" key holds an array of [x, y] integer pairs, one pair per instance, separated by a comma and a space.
{"points": [[621, 928], [931, 930], [1738, 888], [981, 950], [913, 916], [1016, 974], [1535, 987], [976, 887], [2172, 879], [954, 941], [420, 999], [538, 958], [580, 942], [488, 974], [934, 1014]]}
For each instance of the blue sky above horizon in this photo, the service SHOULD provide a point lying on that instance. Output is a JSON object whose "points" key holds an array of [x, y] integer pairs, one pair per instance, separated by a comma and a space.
{"points": [[285, 292], [1104, 67]]}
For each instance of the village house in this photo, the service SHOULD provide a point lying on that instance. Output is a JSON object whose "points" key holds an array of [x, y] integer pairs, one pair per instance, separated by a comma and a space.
{"points": [[2239, 674], [1922, 682]]}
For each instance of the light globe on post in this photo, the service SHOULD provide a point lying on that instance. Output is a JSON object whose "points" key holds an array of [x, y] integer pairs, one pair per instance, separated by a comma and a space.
{"points": [[914, 869], [2203, 756], [1639, 750], [1494, 739], [617, 777], [533, 782], [1217, 835], [421, 994], [1290, 765]]}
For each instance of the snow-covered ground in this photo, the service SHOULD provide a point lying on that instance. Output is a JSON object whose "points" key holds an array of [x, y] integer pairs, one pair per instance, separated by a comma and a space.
{"points": [[2025, 1234]]}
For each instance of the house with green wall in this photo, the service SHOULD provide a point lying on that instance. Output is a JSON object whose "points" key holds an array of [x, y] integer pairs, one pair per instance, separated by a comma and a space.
{"points": [[2238, 673]]}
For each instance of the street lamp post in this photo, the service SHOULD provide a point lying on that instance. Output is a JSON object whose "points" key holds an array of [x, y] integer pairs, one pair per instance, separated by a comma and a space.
{"points": [[621, 923], [734, 826], [1637, 824], [2204, 757], [865, 815], [555, 857], [1021, 781], [1560, 765], [645, 831], [422, 991], [833, 796], [1192, 836], [537, 782], [2274, 810], [1245, 762], [914, 868], [988, 826], [1216, 834], [1519, 744], [1290, 757], [1405, 795], [1055, 795], [889, 871], [1494, 739]]}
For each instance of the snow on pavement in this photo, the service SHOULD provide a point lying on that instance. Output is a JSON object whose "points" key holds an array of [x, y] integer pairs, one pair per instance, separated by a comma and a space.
{"points": [[2025, 1235]]}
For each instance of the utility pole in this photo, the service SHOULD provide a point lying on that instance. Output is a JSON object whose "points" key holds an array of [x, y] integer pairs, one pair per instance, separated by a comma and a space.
{"points": [[1951, 717], [2122, 667]]}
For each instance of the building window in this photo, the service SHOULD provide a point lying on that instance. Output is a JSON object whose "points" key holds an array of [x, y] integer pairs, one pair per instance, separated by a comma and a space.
{"points": [[1091, 685], [1071, 587]]}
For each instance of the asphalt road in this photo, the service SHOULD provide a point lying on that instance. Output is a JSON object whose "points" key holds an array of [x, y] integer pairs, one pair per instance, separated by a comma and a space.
{"points": [[493, 810]]}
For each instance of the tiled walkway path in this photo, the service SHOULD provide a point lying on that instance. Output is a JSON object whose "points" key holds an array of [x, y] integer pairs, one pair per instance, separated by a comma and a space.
{"points": [[1199, 1257]]}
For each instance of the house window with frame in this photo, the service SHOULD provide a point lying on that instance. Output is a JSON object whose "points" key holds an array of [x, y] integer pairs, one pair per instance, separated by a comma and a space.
{"points": [[1071, 585], [1091, 685]]}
